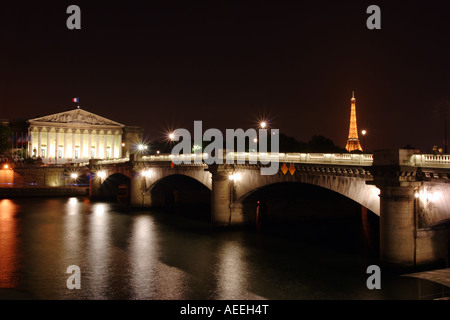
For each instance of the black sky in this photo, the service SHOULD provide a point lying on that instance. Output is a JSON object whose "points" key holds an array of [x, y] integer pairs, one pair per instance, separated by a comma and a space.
{"points": [[163, 64]]}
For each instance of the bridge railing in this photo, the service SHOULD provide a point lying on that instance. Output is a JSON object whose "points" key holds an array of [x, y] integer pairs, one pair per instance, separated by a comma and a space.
{"points": [[110, 161], [417, 160], [431, 160], [255, 157]]}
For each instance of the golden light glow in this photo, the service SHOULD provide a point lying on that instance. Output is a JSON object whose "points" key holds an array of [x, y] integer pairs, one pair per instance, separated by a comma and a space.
{"points": [[147, 173], [235, 177], [101, 174], [9, 249], [5, 166], [353, 140]]}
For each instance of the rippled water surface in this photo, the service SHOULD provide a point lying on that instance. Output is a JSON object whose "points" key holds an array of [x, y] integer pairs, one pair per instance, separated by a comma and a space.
{"points": [[154, 255]]}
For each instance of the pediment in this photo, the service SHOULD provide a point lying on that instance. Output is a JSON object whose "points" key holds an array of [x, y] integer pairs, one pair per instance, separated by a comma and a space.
{"points": [[77, 116]]}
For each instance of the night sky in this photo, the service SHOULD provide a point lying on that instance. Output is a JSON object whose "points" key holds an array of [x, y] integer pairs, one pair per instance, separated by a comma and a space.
{"points": [[163, 64]]}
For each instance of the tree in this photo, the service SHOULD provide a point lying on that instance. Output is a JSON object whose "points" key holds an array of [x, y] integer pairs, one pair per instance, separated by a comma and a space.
{"points": [[321, 144], [5, 139]]}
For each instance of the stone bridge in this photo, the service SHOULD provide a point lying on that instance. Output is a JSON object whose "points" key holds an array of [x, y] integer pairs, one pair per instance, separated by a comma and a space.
{"points": [[409, 191]]}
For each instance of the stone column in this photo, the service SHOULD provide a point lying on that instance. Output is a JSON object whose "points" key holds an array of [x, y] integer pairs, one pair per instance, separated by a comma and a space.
{"points": [[39, 142], [220, 196], [73, 142], [48, 142], [65, 144], [97, 145], [112, 145], [119, 144], [105, 145], [90, 144], [56, 143], [81, 144]]}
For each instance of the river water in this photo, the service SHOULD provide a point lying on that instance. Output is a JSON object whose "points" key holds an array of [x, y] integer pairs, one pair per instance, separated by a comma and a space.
{"points": [[154, 255]]}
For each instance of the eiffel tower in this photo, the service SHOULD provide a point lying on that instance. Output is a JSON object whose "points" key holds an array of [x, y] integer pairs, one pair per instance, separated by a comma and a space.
{"points": [[353, 141]]}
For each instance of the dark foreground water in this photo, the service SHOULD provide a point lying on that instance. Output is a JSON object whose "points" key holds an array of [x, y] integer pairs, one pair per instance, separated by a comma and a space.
{"points": [[153, 255]]}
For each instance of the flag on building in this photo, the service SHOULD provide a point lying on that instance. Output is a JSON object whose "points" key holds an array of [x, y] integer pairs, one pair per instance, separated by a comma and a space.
{"points": [[75, 100]]}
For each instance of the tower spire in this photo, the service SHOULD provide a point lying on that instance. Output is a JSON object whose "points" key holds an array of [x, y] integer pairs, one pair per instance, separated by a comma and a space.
{"points": [[353, 140]]}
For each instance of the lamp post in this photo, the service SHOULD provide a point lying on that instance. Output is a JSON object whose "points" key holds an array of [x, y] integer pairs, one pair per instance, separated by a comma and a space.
{"points": [[364, 132]]}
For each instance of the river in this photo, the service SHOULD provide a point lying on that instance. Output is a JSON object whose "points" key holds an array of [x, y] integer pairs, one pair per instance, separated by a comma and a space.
{"points": [[155, 255]]}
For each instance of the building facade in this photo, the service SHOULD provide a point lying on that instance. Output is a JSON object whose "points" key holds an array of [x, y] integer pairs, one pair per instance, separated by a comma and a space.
{"points": [[74, 136]]}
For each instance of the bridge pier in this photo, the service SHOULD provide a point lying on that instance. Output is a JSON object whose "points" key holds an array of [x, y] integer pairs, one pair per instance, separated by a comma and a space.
{"points": [[94, 187], [397, 225], [224, 210], [402, 243], [139, 196], [220, 196]]}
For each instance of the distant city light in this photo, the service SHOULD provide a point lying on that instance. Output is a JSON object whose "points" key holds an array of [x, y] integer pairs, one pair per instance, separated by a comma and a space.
{"points": [[171, 136], [196, 147], [74, 175], [5, 166], [263, 124], [363, 132]]}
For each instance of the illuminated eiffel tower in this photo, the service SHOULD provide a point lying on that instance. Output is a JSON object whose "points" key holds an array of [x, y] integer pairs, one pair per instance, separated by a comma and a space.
{"points": [[353, 141]]}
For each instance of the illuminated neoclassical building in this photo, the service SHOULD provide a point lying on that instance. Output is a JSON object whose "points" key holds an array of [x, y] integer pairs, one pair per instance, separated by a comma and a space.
{"points": [[74, 136]]}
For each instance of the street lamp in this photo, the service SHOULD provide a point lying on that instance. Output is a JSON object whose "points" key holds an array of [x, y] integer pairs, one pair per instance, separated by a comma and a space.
{"points": [[101, 174], [364, 132]]}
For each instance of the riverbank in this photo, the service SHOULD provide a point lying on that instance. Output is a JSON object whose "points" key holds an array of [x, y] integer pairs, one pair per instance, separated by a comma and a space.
{"points": [[20, 192]]}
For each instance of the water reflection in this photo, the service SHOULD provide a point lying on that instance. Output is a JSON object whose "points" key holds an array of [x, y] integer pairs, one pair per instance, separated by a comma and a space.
{"points": [[231, 271], [143, 256], [9, 244], [73, 232], [99, 250], [146, 255]]}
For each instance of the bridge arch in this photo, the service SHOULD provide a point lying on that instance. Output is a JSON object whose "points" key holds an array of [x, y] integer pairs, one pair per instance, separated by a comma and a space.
{"points": [[173, 177], [354, 188], [116, 186], [181, 193], [153, 186]]}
